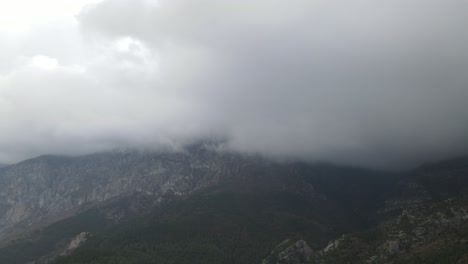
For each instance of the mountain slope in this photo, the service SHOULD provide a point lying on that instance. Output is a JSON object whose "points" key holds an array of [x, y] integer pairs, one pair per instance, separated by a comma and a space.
{"points": [[218, 227], [46, 189], [435, 233], [201, 206], [430, 226], [215, 228], [428, 184], [333, 199]]}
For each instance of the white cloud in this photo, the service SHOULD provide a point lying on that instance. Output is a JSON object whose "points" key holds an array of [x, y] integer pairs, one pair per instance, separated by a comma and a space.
{"points": [[23, 15], [44, 62]]}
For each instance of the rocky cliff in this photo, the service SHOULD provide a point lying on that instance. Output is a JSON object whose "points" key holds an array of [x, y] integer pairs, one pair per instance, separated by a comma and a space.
{"points": [[49, 188]]}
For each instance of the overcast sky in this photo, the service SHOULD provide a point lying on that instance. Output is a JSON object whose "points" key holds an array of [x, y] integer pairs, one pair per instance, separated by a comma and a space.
{"points": [[362, 82]]}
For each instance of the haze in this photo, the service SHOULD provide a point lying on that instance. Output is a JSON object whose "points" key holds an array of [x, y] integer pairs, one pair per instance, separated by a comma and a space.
{"points": [[361, 82]]}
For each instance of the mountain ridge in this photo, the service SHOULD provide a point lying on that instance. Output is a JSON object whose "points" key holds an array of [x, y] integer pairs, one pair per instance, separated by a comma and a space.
{"points": [[50, 190]]}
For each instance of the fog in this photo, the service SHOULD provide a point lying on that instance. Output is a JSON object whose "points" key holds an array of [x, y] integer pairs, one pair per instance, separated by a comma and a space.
{"points": [[368, 83]]}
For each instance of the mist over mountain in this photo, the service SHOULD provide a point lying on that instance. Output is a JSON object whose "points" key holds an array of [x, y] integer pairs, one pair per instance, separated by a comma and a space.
{"points": [[357, 82], [233, 132]]}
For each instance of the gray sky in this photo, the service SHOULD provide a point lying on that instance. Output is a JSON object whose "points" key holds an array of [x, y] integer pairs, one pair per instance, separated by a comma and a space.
{"points": [[362, 82]]}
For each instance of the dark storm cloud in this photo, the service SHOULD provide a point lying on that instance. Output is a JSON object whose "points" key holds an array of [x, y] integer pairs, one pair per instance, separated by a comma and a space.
{"points": [[377, 83]]}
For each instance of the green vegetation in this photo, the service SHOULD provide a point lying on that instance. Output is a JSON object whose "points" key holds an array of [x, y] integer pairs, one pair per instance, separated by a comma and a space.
{"points": [[218, 228], [49, 239], [243, 219]]}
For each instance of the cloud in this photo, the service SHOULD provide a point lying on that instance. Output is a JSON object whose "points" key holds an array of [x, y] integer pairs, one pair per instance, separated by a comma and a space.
{"points": [[359, 82]]}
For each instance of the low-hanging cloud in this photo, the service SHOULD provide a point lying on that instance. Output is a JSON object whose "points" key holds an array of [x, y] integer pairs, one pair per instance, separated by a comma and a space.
{"points": [[375, 83]]}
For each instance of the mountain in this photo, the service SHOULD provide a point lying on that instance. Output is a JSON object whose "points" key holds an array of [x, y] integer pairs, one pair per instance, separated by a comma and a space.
{"points": [[49, 188], [118, 186], [435, 233], [202, 206], [430, 226]]}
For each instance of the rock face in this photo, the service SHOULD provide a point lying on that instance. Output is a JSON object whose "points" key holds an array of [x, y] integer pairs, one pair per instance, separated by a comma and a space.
{"points": [[331, 246], [75, 243], [437, 229], [46, 189], [49, 188], [290, 253], [426, 221]]}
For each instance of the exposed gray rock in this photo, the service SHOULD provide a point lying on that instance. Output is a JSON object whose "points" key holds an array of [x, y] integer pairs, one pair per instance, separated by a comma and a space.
{"points": [[50, 188], [75, 243], [287, 253], [390, 248], [47, 189], [333, 245]]}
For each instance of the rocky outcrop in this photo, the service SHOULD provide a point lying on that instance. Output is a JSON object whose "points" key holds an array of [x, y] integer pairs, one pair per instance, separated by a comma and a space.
{"points": [[47, 189], [416, 231], [289, 253], [75, 243], [50, 188]]}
